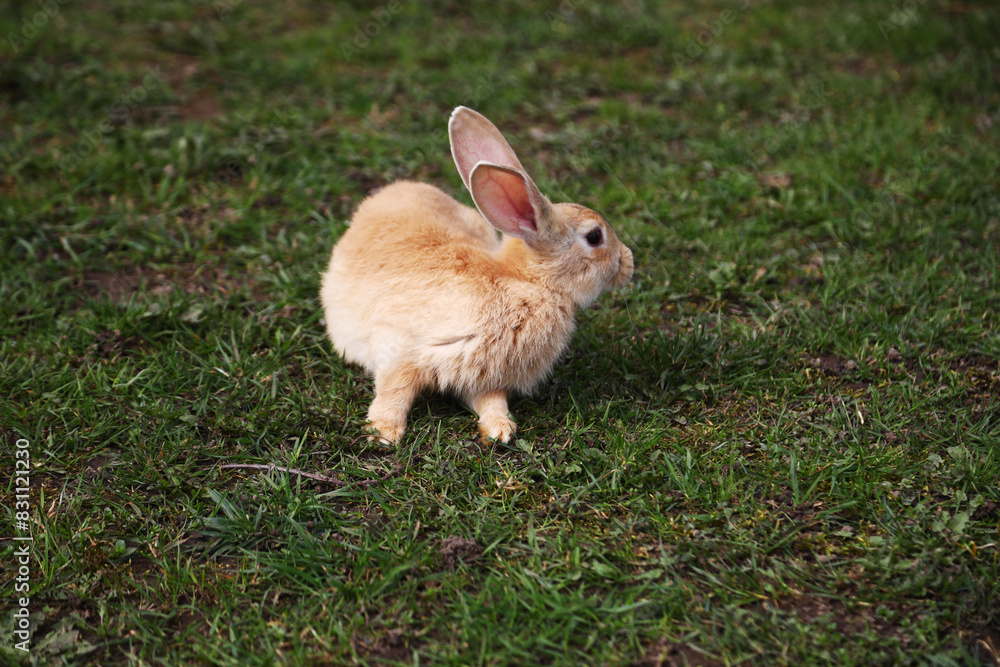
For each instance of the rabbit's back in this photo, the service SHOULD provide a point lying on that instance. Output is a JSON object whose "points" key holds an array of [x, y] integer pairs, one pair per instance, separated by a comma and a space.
{"points": [[407, 210]]}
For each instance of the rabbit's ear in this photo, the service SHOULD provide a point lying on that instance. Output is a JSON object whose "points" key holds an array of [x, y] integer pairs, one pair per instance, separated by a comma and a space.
{"points": [[475, 139], [510, 201]]}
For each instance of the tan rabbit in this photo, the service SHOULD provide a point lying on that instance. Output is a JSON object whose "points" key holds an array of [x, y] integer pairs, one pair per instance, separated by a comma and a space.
{"points": [[424, 294]]}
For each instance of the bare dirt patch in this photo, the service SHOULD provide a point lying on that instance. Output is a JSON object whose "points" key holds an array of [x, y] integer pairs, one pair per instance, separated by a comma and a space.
{"points": [[189, 279], [115, 286], [832, 365], [195, 87], [665, 653], [96, 468], [455, 548], [811, 608], [110, 345], [391, 646], [986, 644], [975, 362]]}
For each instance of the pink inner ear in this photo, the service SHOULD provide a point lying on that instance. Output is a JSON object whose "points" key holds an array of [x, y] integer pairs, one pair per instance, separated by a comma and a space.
{"points": [[472, 151], [502, 197], [475, 139]]}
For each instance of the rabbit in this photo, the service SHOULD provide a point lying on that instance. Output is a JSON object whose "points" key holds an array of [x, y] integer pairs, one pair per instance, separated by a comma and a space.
{"points": [[423, 293]]}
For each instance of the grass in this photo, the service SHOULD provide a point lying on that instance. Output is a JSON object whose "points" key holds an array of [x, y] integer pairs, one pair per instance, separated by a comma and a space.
{"points": [[778, 446]]}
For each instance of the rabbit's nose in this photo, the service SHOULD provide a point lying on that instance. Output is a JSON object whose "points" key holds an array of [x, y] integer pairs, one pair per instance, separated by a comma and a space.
{"points": [[626, 265]]}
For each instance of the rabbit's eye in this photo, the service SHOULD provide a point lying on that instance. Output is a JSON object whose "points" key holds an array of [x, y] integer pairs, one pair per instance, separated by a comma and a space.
{"points": [[594, 237]]}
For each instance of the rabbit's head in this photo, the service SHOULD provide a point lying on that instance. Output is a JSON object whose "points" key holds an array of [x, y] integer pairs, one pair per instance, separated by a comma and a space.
{"points": [[571, 248]]}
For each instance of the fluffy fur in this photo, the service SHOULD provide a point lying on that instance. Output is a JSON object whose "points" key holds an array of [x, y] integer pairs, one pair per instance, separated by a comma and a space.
{"points": [[423, 293]]}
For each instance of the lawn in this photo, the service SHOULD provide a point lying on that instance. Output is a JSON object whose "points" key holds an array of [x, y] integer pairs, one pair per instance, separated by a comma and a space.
{"points": [[778, 445]]}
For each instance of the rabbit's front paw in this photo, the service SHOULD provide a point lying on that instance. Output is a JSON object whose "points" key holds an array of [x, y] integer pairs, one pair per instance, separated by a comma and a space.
{"points": [[383, 430], [498, 427]]}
